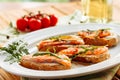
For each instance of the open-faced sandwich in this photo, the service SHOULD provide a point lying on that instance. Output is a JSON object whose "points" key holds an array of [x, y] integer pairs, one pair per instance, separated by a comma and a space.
{"points": [[87, 53], [55, 44], [58, 52], [100, 37], [46, 61]]}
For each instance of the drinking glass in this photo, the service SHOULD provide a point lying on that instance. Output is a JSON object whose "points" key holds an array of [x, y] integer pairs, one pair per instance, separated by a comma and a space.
{"points": [[97, 10]]}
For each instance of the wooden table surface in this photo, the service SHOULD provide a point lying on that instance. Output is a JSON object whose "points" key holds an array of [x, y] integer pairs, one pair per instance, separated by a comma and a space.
{"points": [[13, 11]]}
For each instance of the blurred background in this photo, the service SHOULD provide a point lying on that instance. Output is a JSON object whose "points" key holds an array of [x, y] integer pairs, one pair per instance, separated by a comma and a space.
{"points": [[37, 0]]}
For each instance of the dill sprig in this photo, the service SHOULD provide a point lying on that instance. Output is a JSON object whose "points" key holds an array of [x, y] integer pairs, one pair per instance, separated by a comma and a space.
{"points": [[15, 51]]}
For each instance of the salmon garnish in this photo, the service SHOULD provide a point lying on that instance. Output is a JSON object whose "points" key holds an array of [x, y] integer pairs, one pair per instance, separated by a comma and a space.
{"points": [[59, 43], [87, 53], [46, 61], [100, 37]]}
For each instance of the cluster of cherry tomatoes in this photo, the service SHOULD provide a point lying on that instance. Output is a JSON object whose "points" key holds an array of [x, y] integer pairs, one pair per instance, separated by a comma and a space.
{"points": [[37, 21]]}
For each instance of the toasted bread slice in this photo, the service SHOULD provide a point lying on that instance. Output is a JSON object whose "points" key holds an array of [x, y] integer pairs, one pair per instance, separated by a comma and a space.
{"points": [[46, 62], [87, 53], [101, 37], [55, 48], [92, 58], [59, 42]]}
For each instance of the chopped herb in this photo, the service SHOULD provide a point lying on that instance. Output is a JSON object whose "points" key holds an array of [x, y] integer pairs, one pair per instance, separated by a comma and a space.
{"points": [[46, 53], [74, 56], [55, 38], [15, 51], [89, 48], [101, 30]]}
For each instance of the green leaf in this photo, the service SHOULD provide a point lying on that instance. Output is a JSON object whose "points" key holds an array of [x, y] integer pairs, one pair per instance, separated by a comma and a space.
{"points": [[15, 51], [46, 53]]}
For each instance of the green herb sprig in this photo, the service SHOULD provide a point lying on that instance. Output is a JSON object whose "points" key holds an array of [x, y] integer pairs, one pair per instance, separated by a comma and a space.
{"points": [[90, 48], [55, 38], [46, 53], [15, 51]]}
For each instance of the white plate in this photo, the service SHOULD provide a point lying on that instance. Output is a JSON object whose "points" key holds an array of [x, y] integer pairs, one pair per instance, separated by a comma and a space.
{"points": [[34, 37]]}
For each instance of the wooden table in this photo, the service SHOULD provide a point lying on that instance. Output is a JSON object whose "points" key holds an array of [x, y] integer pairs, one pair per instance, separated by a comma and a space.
{"points": [[12, 11]]}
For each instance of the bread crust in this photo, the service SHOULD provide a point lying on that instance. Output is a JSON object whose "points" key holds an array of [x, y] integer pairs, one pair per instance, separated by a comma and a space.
{"points": [[44, 62], [101, 41], [90, 38], [92, 58], [62, 42], [87, 53]]}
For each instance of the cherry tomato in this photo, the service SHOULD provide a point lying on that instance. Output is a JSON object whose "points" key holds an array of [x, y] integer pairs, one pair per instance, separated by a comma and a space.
{"points": [[22, 24], [53, 20], [45, 22], [34, 24]]}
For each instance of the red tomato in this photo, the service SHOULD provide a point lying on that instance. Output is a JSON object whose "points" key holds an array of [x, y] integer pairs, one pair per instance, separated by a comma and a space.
{"points": [[53, 20], [45, 22], [22, 24], [34, 24]]}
